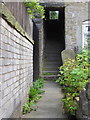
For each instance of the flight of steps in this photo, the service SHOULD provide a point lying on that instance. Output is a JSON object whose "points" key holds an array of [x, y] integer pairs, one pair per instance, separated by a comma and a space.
{"points": [[52, 59]]}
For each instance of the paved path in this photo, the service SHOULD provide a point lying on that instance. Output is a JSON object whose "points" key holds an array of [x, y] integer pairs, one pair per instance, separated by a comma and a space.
{"points": [[50, 105]]}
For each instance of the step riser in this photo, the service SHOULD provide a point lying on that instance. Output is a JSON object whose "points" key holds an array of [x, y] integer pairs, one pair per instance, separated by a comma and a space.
{"points": [[50, 78], [51, 66], [52, 72], [52, 57], [46, 63]]}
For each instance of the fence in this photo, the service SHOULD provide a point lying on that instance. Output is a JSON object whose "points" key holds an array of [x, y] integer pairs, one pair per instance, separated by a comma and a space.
{"points": [[19, 11]]}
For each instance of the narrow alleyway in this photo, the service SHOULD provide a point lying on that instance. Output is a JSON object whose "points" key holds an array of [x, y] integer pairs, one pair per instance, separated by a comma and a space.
{"points": [[50, 105]]}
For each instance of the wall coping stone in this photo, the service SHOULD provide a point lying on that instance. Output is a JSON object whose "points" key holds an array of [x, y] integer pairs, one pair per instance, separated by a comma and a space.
{"points": [[7, 15], [53, 4]]}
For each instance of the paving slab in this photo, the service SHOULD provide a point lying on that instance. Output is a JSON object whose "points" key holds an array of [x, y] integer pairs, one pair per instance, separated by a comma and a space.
{"points": [[50, 105]]}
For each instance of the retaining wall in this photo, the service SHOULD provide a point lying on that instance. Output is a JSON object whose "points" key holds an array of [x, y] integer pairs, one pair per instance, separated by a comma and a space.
{"points": [[16, 64], [83, 112]]}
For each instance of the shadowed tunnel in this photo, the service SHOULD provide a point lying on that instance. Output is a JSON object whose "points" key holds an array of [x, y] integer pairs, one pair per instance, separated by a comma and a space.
{"points": [[54, 36]]}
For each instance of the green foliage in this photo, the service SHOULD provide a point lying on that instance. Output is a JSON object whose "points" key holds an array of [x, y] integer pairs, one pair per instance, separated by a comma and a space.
{"points": [[73, 76], [29, 106], [53, 15], [70, 104], [34, 7], [39, 83], [34, 95]]}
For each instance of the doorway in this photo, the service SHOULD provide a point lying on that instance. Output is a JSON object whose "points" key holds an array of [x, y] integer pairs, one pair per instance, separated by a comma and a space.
{"points": [[54, 36]]}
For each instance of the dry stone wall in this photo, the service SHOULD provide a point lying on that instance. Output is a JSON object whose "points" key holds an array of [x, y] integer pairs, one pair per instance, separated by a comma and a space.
{"points": [[16, 69], [83, 112]]}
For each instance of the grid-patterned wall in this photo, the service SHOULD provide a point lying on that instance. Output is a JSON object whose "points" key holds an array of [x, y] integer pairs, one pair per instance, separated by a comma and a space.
{"points": [[16, 68]]}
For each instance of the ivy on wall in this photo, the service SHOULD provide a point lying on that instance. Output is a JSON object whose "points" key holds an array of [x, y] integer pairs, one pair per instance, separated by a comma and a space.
{"points": [[34, 7]]}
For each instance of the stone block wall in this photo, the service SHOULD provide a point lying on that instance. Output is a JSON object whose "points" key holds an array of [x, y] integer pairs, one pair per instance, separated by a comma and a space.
{"points": [[84, 104], [40, 43], [75, 15], [16, 68]]}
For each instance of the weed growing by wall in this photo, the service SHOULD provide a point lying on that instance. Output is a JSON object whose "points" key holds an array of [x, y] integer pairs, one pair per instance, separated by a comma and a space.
{"points": [[73, 76], [35, 94]]}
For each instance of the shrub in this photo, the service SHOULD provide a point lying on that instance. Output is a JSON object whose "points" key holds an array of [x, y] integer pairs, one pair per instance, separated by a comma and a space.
{"points": [[73, 76], [34, 7], [34, 96]]}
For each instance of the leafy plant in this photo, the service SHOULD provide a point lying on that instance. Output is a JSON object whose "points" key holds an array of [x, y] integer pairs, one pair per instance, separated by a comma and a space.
{"points": [[73, 76], [34, 7], [70, 105], [29, 106], [39, 83], [34, 95], [53, 15]]}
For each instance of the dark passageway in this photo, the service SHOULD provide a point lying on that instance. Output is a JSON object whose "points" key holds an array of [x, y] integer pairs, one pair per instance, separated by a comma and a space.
{"points": [[54, 41]]}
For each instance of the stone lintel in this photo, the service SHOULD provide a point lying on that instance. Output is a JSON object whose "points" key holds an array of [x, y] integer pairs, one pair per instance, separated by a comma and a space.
{"points": [[53, 4]]}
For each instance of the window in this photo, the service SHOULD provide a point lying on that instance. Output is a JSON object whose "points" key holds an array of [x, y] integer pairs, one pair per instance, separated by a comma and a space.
{"points": [[86, 34], [53, 15]]}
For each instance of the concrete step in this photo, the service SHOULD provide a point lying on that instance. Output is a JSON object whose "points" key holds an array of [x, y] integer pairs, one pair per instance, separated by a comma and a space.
{"points": [[50, 69], [51, 63], [52, 51], [51, 72], [50, 77], [52, 55], [51, 66], [52, 59]]}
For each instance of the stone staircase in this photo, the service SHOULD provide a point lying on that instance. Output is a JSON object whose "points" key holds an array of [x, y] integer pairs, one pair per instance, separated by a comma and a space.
{"points": [[52, 58]]}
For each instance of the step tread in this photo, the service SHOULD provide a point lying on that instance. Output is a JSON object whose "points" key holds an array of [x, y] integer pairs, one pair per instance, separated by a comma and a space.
{"points": [[49, 71]]}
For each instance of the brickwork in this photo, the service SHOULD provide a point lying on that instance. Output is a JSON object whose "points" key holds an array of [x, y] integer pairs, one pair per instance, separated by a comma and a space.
{"points": [[16, 68]]}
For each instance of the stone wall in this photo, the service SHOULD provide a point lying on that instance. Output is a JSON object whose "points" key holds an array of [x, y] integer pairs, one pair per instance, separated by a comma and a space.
{"points": [[36, 63], [75, 14], [84, 104], [16, 65], [39, 26], [49, 1]]}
